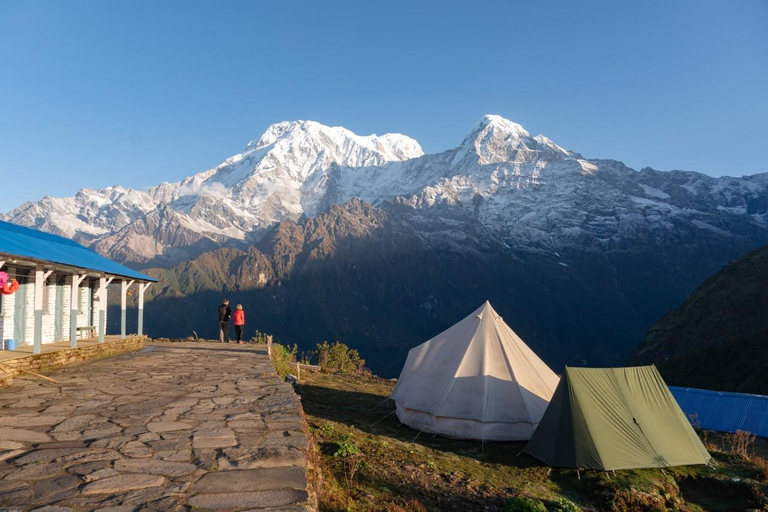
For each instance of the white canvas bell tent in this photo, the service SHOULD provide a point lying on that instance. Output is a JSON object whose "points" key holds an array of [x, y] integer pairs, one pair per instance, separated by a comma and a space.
{"points": [[477, 380]]}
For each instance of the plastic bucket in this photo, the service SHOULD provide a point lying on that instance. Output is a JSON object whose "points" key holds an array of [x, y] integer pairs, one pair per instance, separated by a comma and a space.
{"points": [[10, 344]]}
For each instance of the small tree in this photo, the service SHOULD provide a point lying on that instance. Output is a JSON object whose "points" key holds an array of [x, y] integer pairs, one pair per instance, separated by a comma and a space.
{"points": [[339, 358], [323, 350]]}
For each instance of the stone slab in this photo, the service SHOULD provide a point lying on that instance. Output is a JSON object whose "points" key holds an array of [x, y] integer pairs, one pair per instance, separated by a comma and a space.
{"points": [[290, 477], [123, 483], [259, 499]]}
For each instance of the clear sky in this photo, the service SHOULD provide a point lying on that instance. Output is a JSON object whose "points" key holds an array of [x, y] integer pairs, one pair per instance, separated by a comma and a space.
{"points": [[103, 92]]}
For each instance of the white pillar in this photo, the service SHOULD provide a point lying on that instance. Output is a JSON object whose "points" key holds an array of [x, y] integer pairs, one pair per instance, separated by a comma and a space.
{"points": [[102, 295], [74, 300], [124, 285], [38, 338], [142, 288], [40, 277]]}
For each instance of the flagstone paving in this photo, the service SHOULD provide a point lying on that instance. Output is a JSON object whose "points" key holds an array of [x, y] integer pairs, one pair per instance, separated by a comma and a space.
{"points": [[177, 426]]}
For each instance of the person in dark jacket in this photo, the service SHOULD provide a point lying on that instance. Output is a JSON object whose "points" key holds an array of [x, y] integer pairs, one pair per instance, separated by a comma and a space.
{"points": [[225, 313]]}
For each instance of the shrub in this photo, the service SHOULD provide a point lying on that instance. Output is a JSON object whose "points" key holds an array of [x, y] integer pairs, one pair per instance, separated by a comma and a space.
{"points": [[632, 500], [762, 467], [327, 429], [283, 358], [350, 457], [339, 358], [524, 505], [259, 337], [739, 443], [564, 505]]}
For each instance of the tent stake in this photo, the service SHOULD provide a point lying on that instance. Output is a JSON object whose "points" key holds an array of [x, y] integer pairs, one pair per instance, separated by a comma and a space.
{"points": [[549, 471], [607, 475], [578, 475], [614, 472]]}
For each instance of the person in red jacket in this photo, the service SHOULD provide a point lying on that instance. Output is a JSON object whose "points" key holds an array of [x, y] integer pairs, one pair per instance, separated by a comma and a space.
{"points": [[239, 318]]}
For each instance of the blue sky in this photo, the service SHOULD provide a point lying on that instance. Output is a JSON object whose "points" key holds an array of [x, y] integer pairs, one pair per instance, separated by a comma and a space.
{"points": [[135, 93]]}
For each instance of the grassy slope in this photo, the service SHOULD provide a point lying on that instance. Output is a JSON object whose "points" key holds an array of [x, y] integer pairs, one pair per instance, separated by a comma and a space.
{"points": [[400, 471]]}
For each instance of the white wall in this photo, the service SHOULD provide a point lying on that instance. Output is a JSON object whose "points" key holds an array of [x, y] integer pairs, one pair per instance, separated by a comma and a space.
{"points": [[85, 301]]}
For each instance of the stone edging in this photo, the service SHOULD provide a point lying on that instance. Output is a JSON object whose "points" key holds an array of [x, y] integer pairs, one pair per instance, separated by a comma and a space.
{"points": [[51, 360]]}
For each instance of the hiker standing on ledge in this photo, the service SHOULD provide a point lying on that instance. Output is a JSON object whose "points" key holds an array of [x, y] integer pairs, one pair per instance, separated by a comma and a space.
{"points": [[225, 313], [239, 318]]}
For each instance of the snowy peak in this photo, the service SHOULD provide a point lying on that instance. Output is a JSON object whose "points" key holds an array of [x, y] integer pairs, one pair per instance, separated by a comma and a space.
{"points": [[495, 139], [391, 146], [498, 126]]}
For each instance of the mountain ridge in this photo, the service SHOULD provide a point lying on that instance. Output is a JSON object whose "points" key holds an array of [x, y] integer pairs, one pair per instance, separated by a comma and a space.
{"points": [[518, 185]]}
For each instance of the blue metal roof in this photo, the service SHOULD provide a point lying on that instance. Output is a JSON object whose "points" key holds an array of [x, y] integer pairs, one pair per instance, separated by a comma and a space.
{"points": [[723, 411], [24, 242]]}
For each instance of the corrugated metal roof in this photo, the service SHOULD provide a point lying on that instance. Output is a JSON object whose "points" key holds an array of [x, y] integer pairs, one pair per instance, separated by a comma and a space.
{"points": [[723, 411], [24, 242]]}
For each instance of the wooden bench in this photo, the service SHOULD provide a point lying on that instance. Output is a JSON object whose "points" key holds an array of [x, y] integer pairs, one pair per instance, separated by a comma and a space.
{"points": [[90, 329]]}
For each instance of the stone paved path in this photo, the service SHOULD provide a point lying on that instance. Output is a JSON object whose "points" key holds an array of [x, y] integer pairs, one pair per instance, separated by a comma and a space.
{"points": [[177, 426]]}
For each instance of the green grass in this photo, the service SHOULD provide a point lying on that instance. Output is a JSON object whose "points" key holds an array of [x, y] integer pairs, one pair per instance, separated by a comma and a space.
{"points": [[393, 468]]}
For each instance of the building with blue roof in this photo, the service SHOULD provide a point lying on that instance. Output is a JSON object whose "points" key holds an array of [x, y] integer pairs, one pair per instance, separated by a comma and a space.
{"points": [[55, 275], [724, 411]]}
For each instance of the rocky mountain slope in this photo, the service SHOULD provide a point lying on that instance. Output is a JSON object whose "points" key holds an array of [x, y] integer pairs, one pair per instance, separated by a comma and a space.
{"points": [[717, 338], [376, 279]]}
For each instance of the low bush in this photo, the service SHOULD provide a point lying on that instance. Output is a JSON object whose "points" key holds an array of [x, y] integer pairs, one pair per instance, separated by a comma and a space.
{"points": [[259, 337], [563, 505], [339, 358], [283, 358], [350, 459]]}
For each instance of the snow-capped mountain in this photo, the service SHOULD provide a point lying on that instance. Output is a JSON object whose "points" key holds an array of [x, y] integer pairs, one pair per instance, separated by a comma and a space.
{"points": [[280, 176], [526, 191]]}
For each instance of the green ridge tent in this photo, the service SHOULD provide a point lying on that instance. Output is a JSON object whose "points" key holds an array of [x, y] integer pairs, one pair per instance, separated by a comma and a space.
{"points": [[615, 418]]}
